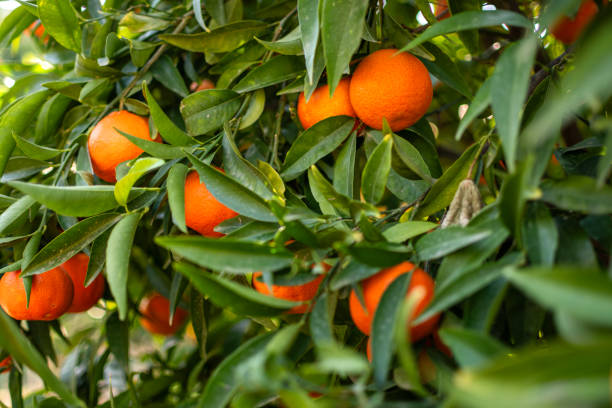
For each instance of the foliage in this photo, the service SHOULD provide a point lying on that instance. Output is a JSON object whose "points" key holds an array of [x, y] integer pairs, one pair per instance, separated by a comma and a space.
{"points": [[524, 288]]}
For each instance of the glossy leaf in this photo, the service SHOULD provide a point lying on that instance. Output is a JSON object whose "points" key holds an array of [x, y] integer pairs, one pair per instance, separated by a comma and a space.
{"points": [[341, 28], [308, 16], [69, 243], [175, 184], [376, 171], [61, 22], [222, 39], [233, 194], [75, 201], [138, 169], [272, 72], [207, 110], [314, 144], [168, 130], [226, 293], [226, 254], [469, 20], [118, 252]]}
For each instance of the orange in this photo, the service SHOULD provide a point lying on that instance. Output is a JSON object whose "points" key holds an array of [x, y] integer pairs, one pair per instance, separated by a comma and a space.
{"points": [[84, 297], [440, 8], [5, 365], [296, 293], [373, 289], [108, 148], [205, 84], [568, 29], [393, 86], [203, 212], [155, 310], [321, 106], [50, 297]]}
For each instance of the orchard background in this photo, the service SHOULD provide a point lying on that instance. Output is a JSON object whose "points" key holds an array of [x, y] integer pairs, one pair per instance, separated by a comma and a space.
{"points": [[206, 193]]}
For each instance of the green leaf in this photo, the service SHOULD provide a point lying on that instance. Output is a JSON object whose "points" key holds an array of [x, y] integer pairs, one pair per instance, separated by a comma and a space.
{"points": [[222, 39], [50, 117], [442, 192], [314, 144], [69, 243], [97, 257], [118, 252], [168, 130], [14, 24], [376, 171], [175, 184], [584, 293], [446, 70], [254, 110], [16, 118], [207, 110], [509, 85], [61, 21], [412, 158], [556, 376], [380, 254], [588, 83], [118, 337], [16, 212], [321, 318], [20, 348], [222, 384], [344, 167], [242, 170], [231, 193], [290, 44], [578, 193], [138, 169], [464, 284], [469, 20], [403, 231], [308, 17], [75, 201], [228, 255], [481, 100], [165, 71], [471, 348], [442, 242], [540, 235], [352, 273], [341, 28], [216, 9], [228, 294], [155, 149], [383, 326], [513, 196], [272, 72]]}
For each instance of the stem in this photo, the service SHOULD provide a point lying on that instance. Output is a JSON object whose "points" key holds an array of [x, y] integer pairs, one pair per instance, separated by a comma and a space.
{"points": [[278, 31], [277, 130]]}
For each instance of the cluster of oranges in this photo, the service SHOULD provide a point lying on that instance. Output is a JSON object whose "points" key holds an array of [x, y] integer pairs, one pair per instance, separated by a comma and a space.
{"points": [[386, 84], [55, 292], [108, 148]]}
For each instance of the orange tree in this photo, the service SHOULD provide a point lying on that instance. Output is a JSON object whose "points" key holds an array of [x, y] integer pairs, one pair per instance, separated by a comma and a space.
{"points": [[210, 191]]}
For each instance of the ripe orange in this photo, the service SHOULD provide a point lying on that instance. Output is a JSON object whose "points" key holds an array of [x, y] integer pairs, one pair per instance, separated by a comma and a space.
{"points": [[321, 106], [108, 148], [50, 297], [439, 10], [84, 297], [205, 84], [373, 289], [297, 293], [203, 212], [5, 365], [155, 318], [393, 86], [567, 29]]}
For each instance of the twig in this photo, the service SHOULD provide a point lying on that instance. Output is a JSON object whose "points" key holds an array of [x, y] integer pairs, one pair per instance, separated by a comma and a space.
{"points": [[277, 130]]}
